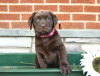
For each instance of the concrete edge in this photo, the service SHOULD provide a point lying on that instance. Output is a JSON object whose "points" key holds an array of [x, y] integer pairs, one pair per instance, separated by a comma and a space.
{"points": [[62, 32]]}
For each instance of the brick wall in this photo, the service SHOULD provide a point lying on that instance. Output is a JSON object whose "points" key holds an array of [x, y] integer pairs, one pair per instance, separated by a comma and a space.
{"points": [[72, 14]]}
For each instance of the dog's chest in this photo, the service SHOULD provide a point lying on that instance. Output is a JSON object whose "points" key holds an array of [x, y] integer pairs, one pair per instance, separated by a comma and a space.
{"points": [[51, 57], [45, 42]]}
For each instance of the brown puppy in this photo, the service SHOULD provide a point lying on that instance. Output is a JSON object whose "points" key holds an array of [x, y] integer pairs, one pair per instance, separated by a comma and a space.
{"points": [[51, 52]]}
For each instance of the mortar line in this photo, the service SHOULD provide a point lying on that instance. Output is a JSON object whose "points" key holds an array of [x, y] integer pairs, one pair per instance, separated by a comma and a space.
{"points": [[53, 12], [83, 8], [97, 17], [10, 25], [58, 7], [69, 1], [95, 1], [32, 8], [71, 17], [84, 25], [19, 1], [44, 1], [8, 8], [20, 17], [58, 21], [73, 4]]}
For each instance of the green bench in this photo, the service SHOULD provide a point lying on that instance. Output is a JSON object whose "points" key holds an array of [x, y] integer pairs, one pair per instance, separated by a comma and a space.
{"points": [[22, 64]]}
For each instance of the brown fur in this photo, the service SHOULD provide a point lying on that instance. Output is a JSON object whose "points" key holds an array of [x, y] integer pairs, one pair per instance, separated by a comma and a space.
{"points": [[51, 52]]}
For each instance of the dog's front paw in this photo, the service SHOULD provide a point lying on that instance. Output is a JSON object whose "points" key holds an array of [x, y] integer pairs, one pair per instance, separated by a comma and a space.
{"points": [[65, 69]]}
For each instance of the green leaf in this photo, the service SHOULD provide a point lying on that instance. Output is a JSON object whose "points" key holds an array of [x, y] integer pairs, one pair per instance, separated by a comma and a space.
{"points": [[74, 66]]}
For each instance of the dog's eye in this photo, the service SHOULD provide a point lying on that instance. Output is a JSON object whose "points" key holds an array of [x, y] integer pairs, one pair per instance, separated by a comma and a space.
{"points": [[48, 19], [37, 19]]}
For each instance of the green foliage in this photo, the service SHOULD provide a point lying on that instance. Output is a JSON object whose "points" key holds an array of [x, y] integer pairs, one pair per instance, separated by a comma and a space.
{"points": [[75, 66]]}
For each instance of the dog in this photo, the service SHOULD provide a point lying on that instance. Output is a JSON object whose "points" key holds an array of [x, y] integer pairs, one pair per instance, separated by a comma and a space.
{"points": [[50, 50]]}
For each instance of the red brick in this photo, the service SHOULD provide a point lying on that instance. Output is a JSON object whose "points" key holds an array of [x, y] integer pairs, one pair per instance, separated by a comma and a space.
{"points": [[92, 9], [84, 17], [32, 1], [98, 1], [9, 17], [57, 26], [83, 1], [4, 24], [20, 8], [92, 25], [72, 25], [99, 17], [19, 25], [59, 16], [3, 8], [8, 1], [45, 7], [63, 16], [71, 8], [25, 16], [57, 1]]}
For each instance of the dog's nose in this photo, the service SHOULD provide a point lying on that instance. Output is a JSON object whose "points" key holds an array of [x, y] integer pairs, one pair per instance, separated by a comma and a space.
{"points": [[43, 25]]}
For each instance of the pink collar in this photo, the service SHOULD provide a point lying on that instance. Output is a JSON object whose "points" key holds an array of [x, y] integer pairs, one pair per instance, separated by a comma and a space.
{"points": [[49, 34]]}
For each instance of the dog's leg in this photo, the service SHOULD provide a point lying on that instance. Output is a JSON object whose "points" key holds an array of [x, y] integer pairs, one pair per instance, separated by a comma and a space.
{"points": [[41, 61], [36, 62], [64, 65]]}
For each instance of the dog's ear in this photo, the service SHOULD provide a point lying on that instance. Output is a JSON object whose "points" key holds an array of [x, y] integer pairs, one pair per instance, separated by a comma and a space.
{"points": [[31, 19], [55, 19]]}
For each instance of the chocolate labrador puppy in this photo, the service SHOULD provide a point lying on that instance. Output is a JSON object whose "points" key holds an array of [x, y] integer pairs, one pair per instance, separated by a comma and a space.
{"points": [[51, 52]]}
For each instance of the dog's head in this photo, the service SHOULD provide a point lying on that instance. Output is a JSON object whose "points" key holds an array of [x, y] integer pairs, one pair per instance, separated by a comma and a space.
{"points": [[43, 22]]}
